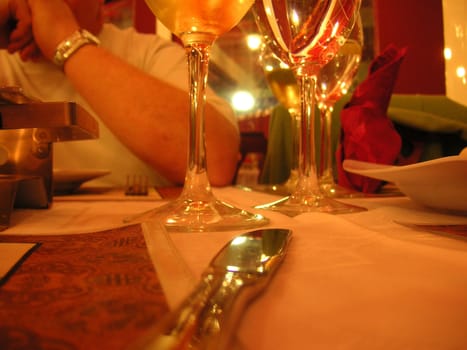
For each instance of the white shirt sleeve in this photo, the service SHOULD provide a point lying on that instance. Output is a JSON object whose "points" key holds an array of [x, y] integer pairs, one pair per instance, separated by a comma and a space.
{"points": [[163, 59]]}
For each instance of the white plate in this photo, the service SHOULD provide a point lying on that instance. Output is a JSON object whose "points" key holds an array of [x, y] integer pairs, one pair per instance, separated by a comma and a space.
{"points": [[67, 181], [440, 183]]}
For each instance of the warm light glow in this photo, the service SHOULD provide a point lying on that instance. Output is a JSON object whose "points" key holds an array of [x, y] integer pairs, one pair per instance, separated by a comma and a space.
{"points": [[455, 49], [243, 101], [254, 41], [238, 240], [344, 88], [232, 268], [335, 28], [447, 53], [324, 87], [268, 68], [295, 18]]}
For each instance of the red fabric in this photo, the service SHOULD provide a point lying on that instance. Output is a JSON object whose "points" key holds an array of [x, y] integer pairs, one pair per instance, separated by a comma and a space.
{"points": [[96, 290], [367, 134]]}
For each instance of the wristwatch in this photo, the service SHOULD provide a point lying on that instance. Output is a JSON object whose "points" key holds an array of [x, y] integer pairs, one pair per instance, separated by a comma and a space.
{"points": [[71, 44]]}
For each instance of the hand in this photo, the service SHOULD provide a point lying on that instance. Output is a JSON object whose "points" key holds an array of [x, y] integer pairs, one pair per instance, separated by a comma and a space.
{"points": [[21, 38], [47, 35]]}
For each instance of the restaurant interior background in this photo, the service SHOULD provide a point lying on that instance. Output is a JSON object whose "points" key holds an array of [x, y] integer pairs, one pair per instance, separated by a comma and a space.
{"points": [[392, 277], [234, 66], [434, 32]]}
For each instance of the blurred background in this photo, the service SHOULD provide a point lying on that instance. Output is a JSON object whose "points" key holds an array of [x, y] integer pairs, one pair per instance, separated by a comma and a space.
{"points": [[432, 30]]}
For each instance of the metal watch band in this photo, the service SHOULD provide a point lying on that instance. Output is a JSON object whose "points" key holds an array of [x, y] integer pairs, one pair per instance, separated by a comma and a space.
{"points": [[71, 44]]}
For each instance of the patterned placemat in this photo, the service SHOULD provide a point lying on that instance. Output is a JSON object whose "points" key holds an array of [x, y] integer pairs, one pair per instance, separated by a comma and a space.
{"points": [[84, 291]]}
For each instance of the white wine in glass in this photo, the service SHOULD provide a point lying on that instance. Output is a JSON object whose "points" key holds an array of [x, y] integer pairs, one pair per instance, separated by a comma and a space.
{"points": [[334, 81], [306, 35], [198, 24]]}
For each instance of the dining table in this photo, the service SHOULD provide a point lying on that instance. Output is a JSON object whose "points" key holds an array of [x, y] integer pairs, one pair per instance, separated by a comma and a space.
{"points": [[394, 276]]}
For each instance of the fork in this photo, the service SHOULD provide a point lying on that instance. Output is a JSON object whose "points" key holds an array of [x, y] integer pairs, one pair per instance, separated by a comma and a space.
{"points": [[136, 185]]}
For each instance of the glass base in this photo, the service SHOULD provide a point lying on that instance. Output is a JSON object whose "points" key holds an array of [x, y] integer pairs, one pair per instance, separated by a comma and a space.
{"points": [[333, 190], [279, 190], [293, 206], [183, 215], [283, 189]]}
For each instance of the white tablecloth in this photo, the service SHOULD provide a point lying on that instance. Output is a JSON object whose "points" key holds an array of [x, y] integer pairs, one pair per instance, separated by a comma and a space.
{"points": [[353, 281]]}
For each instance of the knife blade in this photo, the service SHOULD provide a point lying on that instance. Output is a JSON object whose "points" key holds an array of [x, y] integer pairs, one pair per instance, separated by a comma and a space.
{"points": [[236, 274]]}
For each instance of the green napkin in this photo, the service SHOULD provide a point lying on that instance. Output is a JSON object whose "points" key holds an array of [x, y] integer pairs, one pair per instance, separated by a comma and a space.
{"points": [[430, 113], [278, 159]]}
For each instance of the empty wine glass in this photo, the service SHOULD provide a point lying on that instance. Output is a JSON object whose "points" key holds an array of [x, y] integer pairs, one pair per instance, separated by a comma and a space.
{"points": [[198, 24], [306, 35], [284, 86], [334, 81]]}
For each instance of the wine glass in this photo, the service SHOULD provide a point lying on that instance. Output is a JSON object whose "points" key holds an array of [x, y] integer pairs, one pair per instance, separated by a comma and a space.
{"points": [[197, 24], [283, 85], [306, 35], [334, 81]]}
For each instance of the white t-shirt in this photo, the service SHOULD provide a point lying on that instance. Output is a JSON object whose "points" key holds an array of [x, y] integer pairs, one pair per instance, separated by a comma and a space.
{"points": [[44, 81]]}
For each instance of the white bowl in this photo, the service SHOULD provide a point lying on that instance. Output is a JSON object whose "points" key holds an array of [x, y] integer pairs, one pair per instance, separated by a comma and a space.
{"points": [[440, 183]]}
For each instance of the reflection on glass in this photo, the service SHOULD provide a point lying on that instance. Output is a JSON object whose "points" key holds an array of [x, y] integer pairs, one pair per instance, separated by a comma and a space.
{"points": [[306, 35], [334, 81]]}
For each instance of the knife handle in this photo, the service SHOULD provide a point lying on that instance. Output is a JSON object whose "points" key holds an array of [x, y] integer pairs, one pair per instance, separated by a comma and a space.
{"points": [[205, 320]]}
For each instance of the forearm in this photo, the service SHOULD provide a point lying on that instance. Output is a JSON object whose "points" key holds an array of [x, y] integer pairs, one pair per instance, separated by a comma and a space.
{"points": [[150, 116]]}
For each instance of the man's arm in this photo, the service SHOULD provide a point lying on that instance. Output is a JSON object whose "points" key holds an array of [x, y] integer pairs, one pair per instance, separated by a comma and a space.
{"points": [[148, 115]]}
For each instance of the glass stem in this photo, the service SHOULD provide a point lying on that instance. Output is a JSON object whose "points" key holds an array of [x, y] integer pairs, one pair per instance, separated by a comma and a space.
{"points": [[308, 179], [326, 169], [295, 116], [197, 186]]}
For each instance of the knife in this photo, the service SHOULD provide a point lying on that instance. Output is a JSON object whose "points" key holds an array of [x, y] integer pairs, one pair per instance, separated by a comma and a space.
{"points": [[207, 318]]}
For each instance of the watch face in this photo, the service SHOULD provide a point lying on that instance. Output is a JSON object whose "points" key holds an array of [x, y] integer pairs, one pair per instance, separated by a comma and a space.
{"points": [[71, 44]]}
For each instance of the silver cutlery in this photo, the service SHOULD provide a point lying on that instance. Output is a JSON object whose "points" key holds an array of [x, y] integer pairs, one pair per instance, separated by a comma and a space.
{"points": [[137, 185], [207, 318]]}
